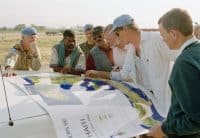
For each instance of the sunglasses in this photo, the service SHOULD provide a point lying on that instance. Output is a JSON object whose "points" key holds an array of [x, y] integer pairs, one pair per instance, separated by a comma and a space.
{"points": [[116, 31]]}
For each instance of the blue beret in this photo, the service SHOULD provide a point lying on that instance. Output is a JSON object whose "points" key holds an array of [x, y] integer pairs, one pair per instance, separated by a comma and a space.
{"points": [[87, 27], [29, 31], [122, 20]]}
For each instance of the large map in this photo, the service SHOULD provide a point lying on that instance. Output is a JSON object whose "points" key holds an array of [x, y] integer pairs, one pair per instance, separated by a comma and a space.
{"points": [[87, 108]]}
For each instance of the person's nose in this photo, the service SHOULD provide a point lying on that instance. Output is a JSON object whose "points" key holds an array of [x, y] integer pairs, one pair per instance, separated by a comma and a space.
{"points": [[71, 43]]}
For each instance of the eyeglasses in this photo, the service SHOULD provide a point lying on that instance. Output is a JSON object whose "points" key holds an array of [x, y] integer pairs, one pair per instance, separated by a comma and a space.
{"points": [[116, 33]]}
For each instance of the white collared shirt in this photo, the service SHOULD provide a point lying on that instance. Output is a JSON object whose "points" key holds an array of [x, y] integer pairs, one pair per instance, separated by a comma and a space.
{"points": [[119, 55], [153, 68], [128, 71]]}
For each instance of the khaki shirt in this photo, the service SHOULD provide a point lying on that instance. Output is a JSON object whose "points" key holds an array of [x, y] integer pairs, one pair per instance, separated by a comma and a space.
{"points": [[19, 59]]}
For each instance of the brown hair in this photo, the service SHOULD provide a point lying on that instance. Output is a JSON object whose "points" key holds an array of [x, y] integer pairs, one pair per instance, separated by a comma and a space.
{"points": [[177, 19], [133, 27]]}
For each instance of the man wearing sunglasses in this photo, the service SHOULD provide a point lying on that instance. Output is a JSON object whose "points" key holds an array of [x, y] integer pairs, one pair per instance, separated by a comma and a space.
{"points": [[152, 60]]}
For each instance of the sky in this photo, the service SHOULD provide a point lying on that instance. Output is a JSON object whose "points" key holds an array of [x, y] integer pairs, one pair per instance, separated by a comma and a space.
{"points": [[67, 13]]}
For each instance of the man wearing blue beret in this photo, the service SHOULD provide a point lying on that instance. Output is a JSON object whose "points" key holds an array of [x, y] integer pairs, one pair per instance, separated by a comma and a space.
{"points": [[24, 55], [89, 43]]}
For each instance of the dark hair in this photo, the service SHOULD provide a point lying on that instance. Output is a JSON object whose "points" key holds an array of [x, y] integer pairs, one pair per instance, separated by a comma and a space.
{"points": [[68, 33], [97, 30], [178, 19]]}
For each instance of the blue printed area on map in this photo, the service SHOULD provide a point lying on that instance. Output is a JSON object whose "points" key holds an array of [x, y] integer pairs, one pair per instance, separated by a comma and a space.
{"points": [[144, 126], [136, 90], [96, 84], [155, 114], [28, 80], [93, 85], [65, 86]]}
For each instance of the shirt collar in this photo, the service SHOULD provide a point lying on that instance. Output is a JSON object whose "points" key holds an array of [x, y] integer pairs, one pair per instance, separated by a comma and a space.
{"points": [[187, 43], [21, 46]]}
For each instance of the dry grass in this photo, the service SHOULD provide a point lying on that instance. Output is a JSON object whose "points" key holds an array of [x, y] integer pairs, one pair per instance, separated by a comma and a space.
{"points": [[45, 43]]}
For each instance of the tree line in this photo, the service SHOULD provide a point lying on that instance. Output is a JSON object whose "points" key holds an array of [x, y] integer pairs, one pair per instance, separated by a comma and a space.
{"points": [[19, 27]]}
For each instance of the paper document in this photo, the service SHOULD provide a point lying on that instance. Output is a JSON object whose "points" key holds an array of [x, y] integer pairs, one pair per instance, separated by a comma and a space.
{"points": [[90, 108]]}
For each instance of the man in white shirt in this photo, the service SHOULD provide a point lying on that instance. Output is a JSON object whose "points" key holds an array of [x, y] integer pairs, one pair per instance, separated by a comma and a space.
{"points": [[152, 61]]}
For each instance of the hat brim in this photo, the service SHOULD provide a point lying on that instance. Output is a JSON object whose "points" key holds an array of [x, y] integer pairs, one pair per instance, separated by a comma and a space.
{"points": [[113, 29]]}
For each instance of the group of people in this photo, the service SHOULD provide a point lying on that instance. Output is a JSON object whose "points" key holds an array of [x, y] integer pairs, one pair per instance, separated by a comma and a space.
{"points": [[121, 51]]}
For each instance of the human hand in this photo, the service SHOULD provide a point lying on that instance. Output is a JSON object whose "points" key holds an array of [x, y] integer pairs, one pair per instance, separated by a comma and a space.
{"points": [[9, 72], [156, 132], [91, 73], [116, 68], [33, 47], [65, 70]]}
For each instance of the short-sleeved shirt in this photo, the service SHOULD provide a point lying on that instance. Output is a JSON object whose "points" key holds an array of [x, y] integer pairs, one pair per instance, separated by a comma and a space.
{"points": [[54, 61]]}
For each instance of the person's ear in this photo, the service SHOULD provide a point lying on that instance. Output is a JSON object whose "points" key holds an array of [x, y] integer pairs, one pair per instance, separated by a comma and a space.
{"points": [[174, 34]]}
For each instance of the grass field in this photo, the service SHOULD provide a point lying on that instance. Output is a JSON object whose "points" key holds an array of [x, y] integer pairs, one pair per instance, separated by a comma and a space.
{"points": [[45, 43]]}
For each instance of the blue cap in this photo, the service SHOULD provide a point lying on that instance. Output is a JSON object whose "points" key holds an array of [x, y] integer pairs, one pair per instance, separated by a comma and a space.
{"points": [[29, 31], [87, 27], [122, 20]]}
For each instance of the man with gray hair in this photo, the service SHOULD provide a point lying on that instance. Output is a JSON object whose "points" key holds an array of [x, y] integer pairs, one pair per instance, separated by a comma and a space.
{"points": [[25, 55]]}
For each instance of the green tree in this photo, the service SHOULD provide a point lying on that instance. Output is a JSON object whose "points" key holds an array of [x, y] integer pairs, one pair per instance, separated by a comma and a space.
{"points": [[19, 27]]}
